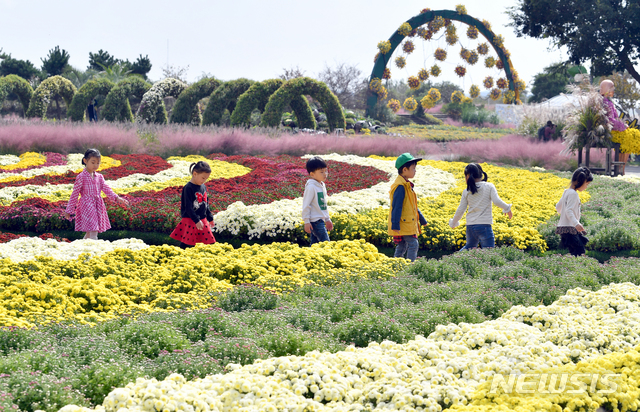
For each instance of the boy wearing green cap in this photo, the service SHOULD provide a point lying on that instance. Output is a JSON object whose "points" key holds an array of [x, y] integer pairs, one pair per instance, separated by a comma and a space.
{"points": [[404, 217]]}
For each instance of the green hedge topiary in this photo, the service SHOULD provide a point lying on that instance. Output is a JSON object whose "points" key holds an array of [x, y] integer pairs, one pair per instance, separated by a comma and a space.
{"points": [[186, 104], [257, 96], [19, 86], [89, 90], [299, 87], [224, 97], [116, 105], [152, 103], [47, 89]]}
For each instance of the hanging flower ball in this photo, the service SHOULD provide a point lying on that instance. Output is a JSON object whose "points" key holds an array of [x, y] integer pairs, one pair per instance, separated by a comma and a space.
{"points": [[440, 54], [508, 97], [460, 71], [436, 24], [447, 22], [500, 65], [386, 74], [451, 37], [520, 85], [474, 91], [383, 93], [413, 33], [488, 82], [486, 24], [425, 10], [414, 82], [384, 46], [410, 104], [464, 53], [498, 41], [394, 105], [472, 32], [408, 47], [483, 48], [427, 103], [405, 29], [473, 58], [435, 70], [423, 74], [514, 74], [424, 33], [457, 96], [495, 94], [502, 83], [506, 52], [401, 62], [375, 85], [489, 62], [461, 9], [434, 94]]}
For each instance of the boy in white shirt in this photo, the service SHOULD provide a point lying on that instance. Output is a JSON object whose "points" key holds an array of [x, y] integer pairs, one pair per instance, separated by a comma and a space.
{"points": [[314, 202]]}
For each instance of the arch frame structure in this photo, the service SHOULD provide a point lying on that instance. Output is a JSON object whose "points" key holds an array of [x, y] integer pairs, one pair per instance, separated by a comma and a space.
{"points": [[302, 86], [257, 97], [224, 97], [13, 83], [45, 91], [89, 90], [117, 106], [424, 18], [185, 110], [152, 108]]}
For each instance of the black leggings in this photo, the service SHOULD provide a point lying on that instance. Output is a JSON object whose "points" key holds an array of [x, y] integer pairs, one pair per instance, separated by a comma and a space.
{"points": [[573, 243], [185, 246]]}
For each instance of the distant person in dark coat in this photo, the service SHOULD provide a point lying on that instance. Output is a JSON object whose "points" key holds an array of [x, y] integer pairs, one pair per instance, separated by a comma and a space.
{"points": [[93, 114], [549, 131]]}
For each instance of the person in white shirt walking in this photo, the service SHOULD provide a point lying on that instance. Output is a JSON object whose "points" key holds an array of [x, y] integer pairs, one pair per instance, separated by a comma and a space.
{"points": [[478, 198], [314, 202], [569, 227]]}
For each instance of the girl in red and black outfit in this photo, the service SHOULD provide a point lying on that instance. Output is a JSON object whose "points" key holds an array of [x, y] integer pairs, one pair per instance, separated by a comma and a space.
{"points": [[194, 209]]}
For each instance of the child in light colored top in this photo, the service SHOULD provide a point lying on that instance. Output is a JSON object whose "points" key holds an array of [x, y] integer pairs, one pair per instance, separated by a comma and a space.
{"points": [[568, 207], [477, 201], [314, 202], [90, 212], [405, 219]]}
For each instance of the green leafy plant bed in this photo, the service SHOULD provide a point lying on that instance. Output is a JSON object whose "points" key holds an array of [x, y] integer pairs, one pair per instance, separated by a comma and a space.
{"points": [[60, 364], [447, 133]]}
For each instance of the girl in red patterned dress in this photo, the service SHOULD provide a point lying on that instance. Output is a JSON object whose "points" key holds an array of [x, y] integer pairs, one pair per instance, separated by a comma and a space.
{"points": [[195, 226], [90, 212]]}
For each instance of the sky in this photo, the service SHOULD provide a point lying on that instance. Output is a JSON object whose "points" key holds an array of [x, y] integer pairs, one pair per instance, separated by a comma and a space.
{"points": [[255, 39]]}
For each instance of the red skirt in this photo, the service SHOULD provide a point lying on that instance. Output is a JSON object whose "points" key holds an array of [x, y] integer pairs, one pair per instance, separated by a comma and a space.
{"points": [[187, 232]]}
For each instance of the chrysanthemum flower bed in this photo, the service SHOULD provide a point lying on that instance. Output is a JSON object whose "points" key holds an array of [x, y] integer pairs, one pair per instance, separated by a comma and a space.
{"points": [[483, 313], [446, 133]]}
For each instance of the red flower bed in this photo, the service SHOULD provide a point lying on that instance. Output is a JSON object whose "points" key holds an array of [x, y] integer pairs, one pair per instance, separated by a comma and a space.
{"points": [[272, 178], [131, 164], [7, 237]]}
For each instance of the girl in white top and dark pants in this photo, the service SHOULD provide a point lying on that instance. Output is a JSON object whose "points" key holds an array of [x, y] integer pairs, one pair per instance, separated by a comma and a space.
{"points": [[478, 197], [568, 207]]}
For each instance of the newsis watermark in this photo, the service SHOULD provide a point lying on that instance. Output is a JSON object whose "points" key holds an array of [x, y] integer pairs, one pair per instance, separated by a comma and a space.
{"points": [[552, 383]]}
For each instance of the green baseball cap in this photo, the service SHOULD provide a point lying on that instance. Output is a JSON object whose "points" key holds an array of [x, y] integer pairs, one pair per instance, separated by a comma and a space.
{"points": [[405, 158]]}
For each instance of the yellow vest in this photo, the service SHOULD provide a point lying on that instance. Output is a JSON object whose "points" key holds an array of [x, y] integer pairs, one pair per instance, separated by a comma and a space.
{"points": [[409, 220]]}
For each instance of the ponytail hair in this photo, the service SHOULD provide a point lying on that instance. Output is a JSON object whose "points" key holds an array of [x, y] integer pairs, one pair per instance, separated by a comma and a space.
{"points": [[580, 176], [200, 167], [472, 172], [89, 154]]}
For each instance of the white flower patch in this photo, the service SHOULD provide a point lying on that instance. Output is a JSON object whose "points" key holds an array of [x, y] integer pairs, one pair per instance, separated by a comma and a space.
{"points": [[7, 160], [28, 248], [423, 374], [74, 164], [284, 215]]}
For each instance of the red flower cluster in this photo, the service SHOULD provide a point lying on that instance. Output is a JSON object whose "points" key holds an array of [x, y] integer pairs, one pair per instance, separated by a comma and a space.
{"points": [[7, 237], [272, 178]]}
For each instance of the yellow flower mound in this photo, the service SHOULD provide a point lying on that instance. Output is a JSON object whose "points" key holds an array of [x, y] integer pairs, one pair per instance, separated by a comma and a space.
{"points": [[585, 388], [629, 140], [168, 278], [27, 159], [445, 134], [533, 195]]}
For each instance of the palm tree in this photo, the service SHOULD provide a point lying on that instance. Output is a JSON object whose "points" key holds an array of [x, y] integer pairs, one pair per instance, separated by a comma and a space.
{"points": [[115, 73], [79, 77]]}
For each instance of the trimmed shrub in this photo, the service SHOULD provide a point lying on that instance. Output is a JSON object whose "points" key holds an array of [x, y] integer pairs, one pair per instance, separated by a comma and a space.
{"points": [[89, 90], [47, 89], [16, 84], [224, 97], [184, 110], [299, 87], [116, 105], [152, 104]]}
